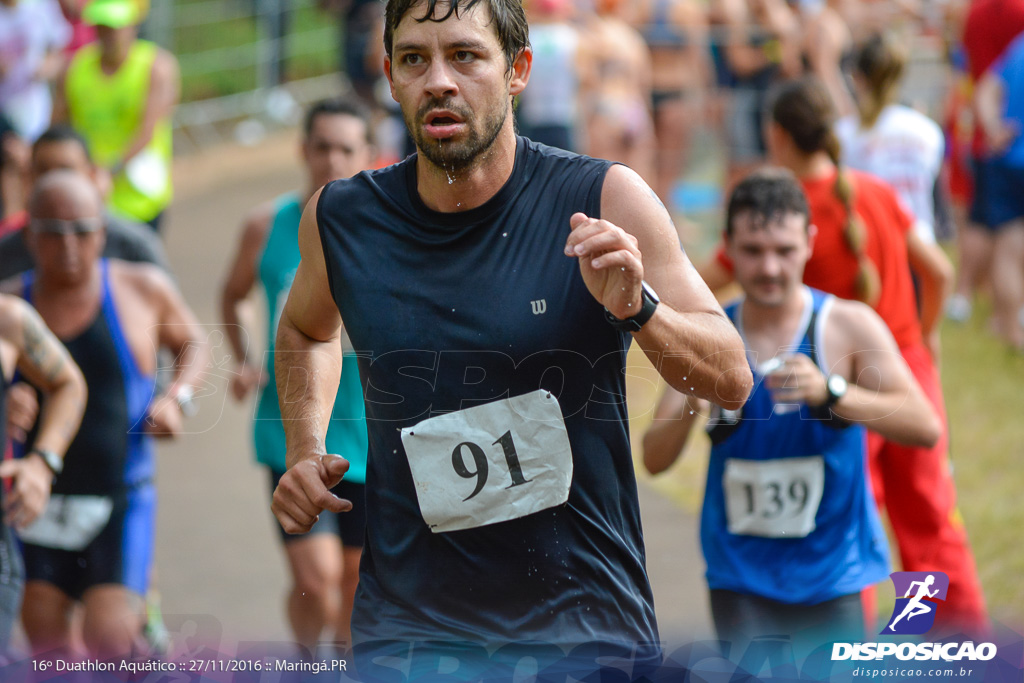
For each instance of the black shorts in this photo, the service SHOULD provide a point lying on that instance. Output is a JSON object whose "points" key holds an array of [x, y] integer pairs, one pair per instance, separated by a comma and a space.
{"points": [[121, 553], [740, 617], [349, 526]]}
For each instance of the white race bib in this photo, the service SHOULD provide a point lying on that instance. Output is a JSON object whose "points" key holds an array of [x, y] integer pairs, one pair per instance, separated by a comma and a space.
{"points": [[69, 522], [490, 463], [148, 173], [773, 498]]}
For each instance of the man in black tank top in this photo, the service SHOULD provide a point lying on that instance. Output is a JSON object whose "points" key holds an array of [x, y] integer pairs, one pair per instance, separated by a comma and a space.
{"points": [[26, 344], [491, 287]]}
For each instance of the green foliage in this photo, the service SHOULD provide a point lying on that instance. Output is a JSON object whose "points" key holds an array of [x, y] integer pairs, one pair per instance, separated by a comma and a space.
{"points": [[221, 45]]}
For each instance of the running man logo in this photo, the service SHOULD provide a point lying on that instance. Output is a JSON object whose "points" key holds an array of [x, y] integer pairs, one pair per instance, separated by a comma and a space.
{"points": [[539, 306], [914, 613]]}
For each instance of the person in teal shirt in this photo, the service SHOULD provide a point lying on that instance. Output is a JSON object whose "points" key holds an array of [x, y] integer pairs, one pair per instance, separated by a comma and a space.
{"points": [[324, 563]]}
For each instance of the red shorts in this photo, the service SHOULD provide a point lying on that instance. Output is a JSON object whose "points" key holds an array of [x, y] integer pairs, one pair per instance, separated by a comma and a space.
{"points": [[915, 486]]}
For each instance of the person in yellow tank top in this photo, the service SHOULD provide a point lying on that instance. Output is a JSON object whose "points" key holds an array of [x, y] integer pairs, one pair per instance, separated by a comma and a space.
{"points": [[119, 93]]}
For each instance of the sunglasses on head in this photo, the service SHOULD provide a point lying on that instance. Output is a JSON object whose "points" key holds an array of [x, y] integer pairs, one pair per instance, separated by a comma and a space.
{"points": [[58, 226]]}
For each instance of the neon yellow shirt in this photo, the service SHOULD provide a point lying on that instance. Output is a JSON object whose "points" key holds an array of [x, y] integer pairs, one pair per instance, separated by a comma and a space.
{"points": [[107, 110]]}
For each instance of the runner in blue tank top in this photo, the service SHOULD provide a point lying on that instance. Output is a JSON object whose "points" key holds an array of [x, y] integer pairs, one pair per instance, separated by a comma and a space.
{"points": [[491, 287], [336, 144], [789, 530], [94, 542]]}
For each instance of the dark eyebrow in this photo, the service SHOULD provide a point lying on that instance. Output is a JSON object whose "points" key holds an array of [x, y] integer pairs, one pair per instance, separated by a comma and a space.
{"points": [[466, 45], [404, 47], [457, 45]]}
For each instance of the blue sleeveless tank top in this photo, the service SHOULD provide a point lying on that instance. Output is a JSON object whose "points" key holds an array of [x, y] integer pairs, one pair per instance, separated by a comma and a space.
{"points": [[452, 310], [847, 548], [111, 451], [346, 434]]}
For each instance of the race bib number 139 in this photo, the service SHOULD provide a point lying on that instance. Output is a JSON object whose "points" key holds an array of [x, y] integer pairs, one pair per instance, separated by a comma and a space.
{"points": [[490, 463], [773, 498]]}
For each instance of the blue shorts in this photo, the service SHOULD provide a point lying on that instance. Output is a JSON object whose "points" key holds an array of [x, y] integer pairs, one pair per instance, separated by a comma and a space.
{"points": [[121, 554], [998, 195], [349, 526]]}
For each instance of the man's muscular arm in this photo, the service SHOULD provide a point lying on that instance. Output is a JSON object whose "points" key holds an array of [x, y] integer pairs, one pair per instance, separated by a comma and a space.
{"points": [[689, 340], [674, 419], [163, 96], [46, 363], [239, 282], [882, 395], [179, 331], [307, 365]]}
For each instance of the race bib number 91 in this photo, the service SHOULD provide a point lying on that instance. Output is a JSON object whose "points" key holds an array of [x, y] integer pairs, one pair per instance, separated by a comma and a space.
{"points": [[490, 463], [773, 498]]}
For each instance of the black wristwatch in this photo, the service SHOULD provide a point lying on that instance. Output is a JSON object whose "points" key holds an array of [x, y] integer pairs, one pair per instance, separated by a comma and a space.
{"points": [[836, 385], [649, 302], [52, 460]]}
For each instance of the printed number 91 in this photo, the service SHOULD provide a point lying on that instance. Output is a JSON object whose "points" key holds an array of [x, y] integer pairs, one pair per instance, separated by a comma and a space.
{"points": [[508, 446]]}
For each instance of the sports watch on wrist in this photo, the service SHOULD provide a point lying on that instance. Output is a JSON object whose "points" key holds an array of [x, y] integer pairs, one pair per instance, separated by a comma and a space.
{"points": [[185, 401], [836, 385], [649, 302], [52, 460]]}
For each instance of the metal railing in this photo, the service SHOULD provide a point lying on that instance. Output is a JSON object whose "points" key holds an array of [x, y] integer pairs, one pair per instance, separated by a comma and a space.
{"points": [[246, 65]]}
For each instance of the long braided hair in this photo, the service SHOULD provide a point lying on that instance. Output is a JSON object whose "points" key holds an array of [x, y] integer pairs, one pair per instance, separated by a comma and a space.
{"points": [[803, 108]]}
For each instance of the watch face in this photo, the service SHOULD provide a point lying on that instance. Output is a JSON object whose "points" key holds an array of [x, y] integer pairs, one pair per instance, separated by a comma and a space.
{"points": [[650, 292], [52, 460], [837, 385]]}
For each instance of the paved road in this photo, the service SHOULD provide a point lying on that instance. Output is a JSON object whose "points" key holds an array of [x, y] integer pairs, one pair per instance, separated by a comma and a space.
{"points": [[219, 560]]}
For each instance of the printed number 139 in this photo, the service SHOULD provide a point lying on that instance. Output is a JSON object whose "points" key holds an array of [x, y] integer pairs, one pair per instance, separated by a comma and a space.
{"points": [[480, 462]]}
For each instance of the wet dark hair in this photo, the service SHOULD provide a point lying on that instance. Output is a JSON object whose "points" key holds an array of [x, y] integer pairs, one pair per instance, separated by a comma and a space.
{"points": [[339, 106], [804, 109], [508, 16], [769, 194], [62, 133]]}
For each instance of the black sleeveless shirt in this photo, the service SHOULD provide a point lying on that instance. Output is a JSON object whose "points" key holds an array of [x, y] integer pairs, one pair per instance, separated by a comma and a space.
{"points": [[452, 310]]}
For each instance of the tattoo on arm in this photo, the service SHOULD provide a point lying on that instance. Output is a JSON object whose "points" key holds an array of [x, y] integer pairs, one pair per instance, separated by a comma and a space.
{"points": [[670, 220], [657, 198], [40, 348]]}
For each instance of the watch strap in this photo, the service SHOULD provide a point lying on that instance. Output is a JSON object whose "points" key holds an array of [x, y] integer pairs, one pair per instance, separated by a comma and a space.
{"points": [[833, 397], [648, 304], [52, 460]]}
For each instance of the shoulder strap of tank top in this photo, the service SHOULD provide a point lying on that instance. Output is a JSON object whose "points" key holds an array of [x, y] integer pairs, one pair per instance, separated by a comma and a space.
{"points": [[27, 278], [812, 336], [129, 365]]}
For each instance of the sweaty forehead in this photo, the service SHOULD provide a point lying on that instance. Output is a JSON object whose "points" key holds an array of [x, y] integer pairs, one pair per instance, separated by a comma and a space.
{"points": [[471, 25], [751, 224], [70, 199]]}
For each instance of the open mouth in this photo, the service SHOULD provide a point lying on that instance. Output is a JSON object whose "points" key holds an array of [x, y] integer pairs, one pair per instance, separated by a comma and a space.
{"points": [[442, 124]]}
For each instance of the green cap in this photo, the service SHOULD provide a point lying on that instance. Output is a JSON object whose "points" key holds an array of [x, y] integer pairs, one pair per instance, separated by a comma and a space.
{"points": [[112, 13]]}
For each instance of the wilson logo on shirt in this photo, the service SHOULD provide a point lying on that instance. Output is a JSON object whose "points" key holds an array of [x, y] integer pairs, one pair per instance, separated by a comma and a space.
{"points": [[538, 307]]}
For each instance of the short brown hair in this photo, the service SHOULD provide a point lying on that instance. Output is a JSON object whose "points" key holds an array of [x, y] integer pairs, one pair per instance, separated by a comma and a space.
{"points": [[769, 194], [508, 16]]}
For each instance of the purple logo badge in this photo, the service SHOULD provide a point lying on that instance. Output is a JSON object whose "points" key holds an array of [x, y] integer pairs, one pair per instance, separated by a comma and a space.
{"points": [[914, 612]]}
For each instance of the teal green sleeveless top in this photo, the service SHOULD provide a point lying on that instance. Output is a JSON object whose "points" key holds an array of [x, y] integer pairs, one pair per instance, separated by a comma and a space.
{"points": [[346, 435]]}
